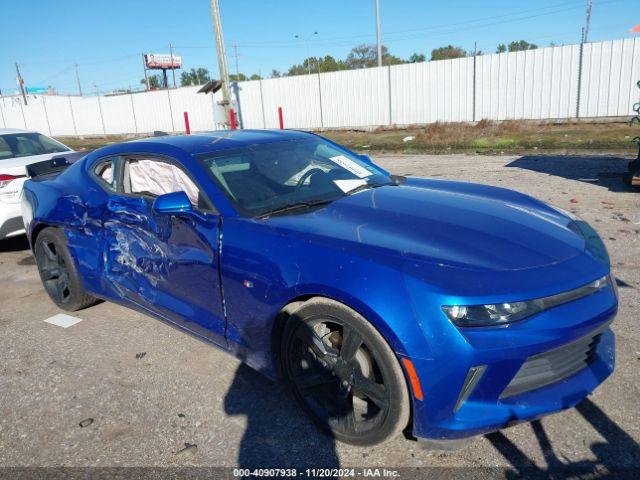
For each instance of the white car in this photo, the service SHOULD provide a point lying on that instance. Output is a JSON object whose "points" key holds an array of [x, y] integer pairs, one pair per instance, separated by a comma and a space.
{"points": [[19, 148]]}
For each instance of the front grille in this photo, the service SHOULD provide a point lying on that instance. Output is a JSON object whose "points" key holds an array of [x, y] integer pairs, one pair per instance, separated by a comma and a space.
{"points": [[554, 365]]}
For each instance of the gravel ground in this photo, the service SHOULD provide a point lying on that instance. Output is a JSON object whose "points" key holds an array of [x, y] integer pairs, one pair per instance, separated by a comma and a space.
{"points": [[152, 396]]}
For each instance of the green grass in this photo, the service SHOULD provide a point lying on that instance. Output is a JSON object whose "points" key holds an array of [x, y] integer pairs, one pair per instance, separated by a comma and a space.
{"points": [[493, 137]]}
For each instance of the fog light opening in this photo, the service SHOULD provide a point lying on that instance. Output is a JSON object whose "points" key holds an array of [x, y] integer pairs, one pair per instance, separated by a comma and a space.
{"points": [[470, 382]]}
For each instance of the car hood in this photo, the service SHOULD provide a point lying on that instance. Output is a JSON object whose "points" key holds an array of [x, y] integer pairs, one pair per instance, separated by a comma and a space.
{"points": [[446, 223], [16, 166]]}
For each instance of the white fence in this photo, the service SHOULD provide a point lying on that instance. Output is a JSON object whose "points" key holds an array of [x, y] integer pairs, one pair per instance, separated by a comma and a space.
{"points": [[593, 80], [114, 114]]}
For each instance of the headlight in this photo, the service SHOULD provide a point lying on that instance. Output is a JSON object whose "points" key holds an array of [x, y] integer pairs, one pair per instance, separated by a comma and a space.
{"points": [[503, 313]]}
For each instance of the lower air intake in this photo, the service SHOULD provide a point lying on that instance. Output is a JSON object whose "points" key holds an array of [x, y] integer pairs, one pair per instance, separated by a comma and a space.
{"points": [[554, 365]]}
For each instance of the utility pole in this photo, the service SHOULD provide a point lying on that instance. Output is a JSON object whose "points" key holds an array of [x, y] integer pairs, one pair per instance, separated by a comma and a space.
{"points": [[144, 66], [306, 46], [222, 59], [586, 28], [235, 54], [379, 44], [21, 83], [173, 70], [78, 80]]}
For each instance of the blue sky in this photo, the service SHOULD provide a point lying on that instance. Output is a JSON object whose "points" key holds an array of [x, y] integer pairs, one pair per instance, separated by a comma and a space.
{"points": [[106, 38]]}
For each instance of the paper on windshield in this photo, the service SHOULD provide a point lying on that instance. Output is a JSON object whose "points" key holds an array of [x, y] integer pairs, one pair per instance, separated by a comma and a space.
{"points": [[345, 162], [348, 185]]}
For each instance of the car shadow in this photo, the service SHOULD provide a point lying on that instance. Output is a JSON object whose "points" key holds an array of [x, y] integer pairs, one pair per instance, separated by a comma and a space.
{"points": [[14, 244], [605, 171], [618, 456], [278, 434]]}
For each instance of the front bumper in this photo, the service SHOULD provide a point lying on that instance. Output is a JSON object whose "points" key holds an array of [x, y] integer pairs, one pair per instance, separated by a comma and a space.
{"points": [[442, 416]]}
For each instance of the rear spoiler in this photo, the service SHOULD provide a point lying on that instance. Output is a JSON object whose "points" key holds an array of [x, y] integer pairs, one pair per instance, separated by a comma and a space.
{"points": [[54, 165]]}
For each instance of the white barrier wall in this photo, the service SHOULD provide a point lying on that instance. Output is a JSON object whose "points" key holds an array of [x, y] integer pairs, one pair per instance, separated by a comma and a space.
{"points": [[593, 80]]}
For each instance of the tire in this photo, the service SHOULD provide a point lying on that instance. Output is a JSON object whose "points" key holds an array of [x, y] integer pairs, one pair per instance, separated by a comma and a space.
{"points": [[58, 271], [355, 389]]}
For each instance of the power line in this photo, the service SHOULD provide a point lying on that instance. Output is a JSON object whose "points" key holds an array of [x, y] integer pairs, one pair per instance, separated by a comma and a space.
{"points": [[442, 29]]}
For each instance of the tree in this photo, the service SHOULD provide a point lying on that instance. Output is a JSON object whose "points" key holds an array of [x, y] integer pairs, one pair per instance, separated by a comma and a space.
{"points": [[366, 56], [255, 76], [309, 64], [417, 57], [241, 77], [155, 82], [275, 73], [326, 64], [194, 77], [519, 46], [448, 52]]}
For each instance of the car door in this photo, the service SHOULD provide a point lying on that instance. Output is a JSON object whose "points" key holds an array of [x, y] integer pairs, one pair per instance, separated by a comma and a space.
{"points": [[165, 263]]}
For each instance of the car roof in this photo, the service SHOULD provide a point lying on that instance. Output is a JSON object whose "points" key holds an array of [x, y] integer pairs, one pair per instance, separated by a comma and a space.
{"points": [[8, 131], [206, 142]]}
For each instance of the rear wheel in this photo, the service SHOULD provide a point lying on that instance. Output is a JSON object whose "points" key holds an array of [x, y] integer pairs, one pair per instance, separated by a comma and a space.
{"points": [[343, 373], [58, 271]]}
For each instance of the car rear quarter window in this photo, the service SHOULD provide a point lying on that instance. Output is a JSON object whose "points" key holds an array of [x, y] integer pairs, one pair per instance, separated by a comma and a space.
{"points": [[104, 172]]}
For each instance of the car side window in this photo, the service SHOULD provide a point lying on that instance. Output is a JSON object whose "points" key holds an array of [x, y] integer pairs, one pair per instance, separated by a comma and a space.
{"points": [[104, 172], [27, 146], [153, 177], [5, 149]]}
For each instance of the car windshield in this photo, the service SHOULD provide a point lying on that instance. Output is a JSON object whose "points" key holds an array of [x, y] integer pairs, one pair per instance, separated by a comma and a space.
{"points": [[268, 178], [14, 145]]}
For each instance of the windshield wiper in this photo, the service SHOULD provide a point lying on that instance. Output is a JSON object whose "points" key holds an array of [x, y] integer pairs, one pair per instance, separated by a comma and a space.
{"points": [[294, 206], [364, 186]]}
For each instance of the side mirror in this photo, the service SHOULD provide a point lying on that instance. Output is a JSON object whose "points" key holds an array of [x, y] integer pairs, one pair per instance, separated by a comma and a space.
{"points": [[175, 202]]}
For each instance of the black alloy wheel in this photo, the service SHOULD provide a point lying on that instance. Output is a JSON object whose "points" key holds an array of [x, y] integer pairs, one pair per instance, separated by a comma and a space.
{"points": [[58, 271], [53, 272], [342, 372]]}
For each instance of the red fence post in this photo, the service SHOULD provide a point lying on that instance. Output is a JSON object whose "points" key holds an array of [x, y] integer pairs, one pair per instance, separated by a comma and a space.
{"points": [[186, 123], [280, 118], [232, 119]]}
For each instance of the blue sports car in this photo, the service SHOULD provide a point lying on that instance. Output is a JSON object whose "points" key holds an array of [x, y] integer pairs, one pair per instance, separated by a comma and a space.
{"points": [[386, 303]]}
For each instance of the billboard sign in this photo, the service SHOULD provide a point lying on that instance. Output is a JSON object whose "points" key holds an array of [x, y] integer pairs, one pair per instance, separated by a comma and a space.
{"points": [[34, 90], [157, 61]]}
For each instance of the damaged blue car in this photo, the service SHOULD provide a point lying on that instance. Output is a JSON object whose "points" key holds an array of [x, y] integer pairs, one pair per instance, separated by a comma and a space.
{"points": [[387, 304]]}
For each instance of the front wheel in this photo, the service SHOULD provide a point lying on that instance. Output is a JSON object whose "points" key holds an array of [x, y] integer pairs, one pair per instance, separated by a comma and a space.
{"points": [[58, 271], [343, 373]]}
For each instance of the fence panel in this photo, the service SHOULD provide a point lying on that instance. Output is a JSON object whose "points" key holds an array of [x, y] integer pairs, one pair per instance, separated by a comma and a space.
{"points": [[199, 106], [355, 98], [117, 111], [86, 111], [248, 103], [153, 111], [433, 91], [60, 117], [299, 98], [36, 116], [12, 112]]}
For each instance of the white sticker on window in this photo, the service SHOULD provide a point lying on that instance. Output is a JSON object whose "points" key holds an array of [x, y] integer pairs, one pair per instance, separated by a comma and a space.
{"points": [[352, 166], [348, 185]]}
